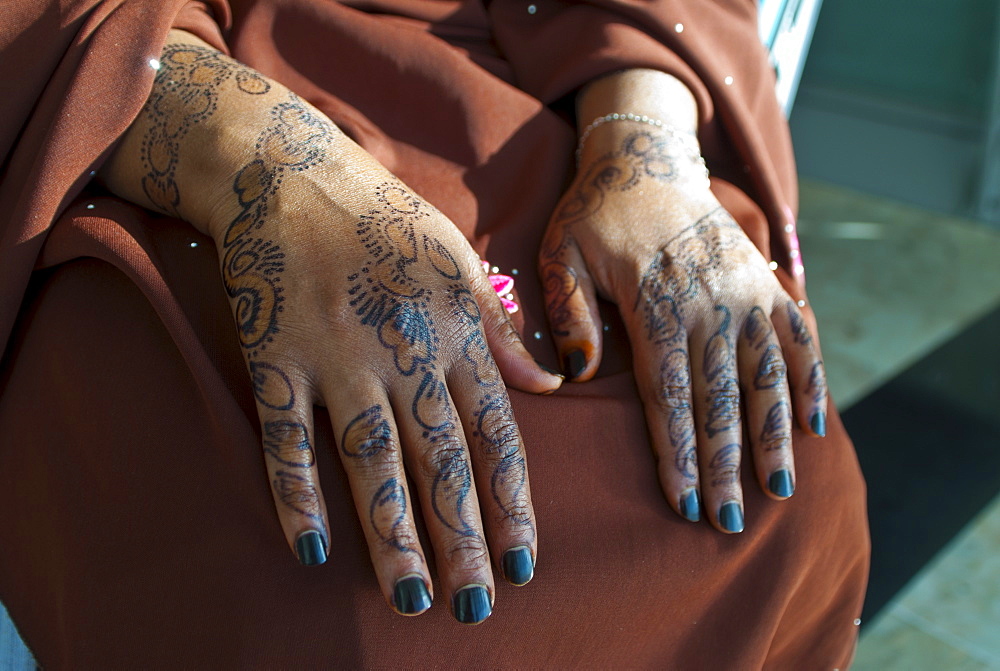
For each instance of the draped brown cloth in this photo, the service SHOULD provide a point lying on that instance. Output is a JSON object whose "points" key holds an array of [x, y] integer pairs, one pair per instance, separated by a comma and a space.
{"points": [[137, 527]]}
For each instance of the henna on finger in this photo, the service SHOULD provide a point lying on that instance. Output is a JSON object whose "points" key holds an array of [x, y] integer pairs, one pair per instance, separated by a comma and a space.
{"points": [[771, 369], [675, 391], [723, 398], [776, 433], [800, 332], [757, 329]]}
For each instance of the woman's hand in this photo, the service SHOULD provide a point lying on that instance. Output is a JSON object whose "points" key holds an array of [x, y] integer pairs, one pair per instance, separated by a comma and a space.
{"points": [[349, 291], [708, 321]]}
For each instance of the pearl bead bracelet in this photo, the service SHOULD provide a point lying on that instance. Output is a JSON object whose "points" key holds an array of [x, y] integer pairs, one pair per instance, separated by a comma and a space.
{"points": [[638, 118]]}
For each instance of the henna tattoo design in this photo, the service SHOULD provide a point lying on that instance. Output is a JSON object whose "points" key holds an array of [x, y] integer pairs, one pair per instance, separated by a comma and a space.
{"points": [[297, 492], [385, 296], [271, 386], [252, 266], [367, 434], [287, 443], [800, 332], [771, 369], [507, 486], [644, 155], [559, 284], [817, 383], [776, 433], [387, 513], [675, 384], [757, 328], [186, 92], [723, 400], [679, 272], [452, 485], [725, 465]]}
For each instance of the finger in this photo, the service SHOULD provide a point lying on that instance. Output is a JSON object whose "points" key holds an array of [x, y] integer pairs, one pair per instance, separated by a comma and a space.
{"points": [[768, 405], [571, 304], [370, 451], [286, 421], [663, 375], [717, 418], [806, 375], [499, 462], [666, 399], [518, 367], [438, 461], [495, 442]]}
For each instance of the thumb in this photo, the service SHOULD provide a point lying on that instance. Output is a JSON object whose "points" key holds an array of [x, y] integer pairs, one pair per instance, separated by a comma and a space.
{"points": [[572, 309], [517, 367]]}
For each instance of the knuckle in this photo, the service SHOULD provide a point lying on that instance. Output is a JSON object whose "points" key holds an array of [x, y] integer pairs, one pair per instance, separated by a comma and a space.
{"points": [[441, 457], [774, 367], [723, 409], [297, 492], [287, 442], [386, 465], [402, 536], [497, 431], [671, 398], [467, 552]]}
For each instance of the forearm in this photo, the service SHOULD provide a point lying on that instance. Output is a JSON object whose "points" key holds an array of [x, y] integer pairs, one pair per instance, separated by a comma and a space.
{"points": [[210, 120]]}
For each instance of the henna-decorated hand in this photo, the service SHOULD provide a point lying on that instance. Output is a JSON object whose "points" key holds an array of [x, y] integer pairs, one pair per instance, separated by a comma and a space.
{"points": [[351, 292], [709, 323]]}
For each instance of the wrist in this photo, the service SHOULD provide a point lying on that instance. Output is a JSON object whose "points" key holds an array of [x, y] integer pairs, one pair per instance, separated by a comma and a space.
{"points": [[642, 92]]}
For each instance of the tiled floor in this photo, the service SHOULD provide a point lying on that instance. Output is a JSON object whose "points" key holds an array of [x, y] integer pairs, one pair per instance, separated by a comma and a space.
{"points": [[948, 617], [890, 283]]}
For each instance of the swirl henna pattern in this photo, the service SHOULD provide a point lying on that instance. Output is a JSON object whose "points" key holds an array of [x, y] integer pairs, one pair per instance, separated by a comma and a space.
{"points": [[386, 296], [675, 385], [644, 155], [252, 267], [185, 92]]}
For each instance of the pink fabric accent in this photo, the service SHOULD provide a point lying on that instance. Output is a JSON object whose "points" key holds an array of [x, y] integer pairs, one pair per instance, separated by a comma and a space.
{"points": [[504, 286]]}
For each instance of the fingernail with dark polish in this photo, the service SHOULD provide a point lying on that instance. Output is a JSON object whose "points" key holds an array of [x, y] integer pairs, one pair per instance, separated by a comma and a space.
{"points": [[410, 596], [550, 371], [780, 483], [574, 362], [731, 517], [310, 548], [818, 423], [471, 604], [691, 506], [518, 566]]}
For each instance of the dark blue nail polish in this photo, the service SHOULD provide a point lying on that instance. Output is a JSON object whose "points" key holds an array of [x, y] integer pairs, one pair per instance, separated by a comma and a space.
{"points": [[731, 517], [818, 423], [691, 506], [310, 548], [574, 362], [549, 370], [471, 604], [410, 596], [518, 566], [780, 483]]}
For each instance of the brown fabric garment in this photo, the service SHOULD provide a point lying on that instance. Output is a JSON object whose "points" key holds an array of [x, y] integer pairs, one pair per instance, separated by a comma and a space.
{"points": [[138, 527]]}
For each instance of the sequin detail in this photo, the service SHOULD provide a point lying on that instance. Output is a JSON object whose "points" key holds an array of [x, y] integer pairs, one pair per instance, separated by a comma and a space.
{"points": [[503, 285]]}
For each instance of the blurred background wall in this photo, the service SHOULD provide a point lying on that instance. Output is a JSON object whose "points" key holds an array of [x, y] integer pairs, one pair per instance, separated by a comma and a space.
{"points": [[899, 98]]}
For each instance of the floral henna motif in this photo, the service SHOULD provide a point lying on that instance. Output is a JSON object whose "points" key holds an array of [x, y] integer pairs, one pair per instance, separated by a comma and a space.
{"points": [[185, 92], [386, 296]]}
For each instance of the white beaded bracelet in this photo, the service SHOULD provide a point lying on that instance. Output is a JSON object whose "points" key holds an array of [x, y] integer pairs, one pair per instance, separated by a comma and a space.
{"points": [[638, 118]]}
